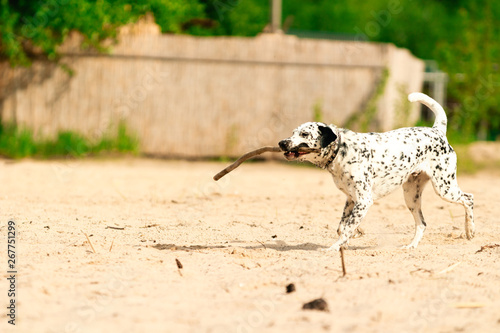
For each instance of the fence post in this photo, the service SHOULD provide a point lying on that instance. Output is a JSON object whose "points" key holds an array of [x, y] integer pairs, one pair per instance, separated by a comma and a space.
{"points": [[275, 15]]}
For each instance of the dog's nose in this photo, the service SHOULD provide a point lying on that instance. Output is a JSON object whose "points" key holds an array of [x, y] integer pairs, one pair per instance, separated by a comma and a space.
{"points": [[284, 144]]}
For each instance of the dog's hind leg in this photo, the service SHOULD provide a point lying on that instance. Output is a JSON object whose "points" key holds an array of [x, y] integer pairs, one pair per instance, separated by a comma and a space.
{"points": [[445, 184], [413, 188]]}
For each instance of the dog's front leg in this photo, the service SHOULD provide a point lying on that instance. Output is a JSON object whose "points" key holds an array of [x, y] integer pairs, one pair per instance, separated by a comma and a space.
{"points": [[349, 204], [350, 224]]}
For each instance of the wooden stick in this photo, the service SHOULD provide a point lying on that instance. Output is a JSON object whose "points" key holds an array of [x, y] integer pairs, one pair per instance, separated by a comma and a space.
{"points": [[344, 272], [112, 242], [115, 228], [245, 157], [469, 305], [449, 268], [254, 153], [88, 240]]}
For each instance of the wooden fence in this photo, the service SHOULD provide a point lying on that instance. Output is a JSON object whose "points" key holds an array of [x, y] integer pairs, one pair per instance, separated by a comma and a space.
{"points": [[191, 97]]}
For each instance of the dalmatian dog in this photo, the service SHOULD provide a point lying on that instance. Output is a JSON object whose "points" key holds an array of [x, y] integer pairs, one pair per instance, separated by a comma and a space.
{"points": [[369, 166]]}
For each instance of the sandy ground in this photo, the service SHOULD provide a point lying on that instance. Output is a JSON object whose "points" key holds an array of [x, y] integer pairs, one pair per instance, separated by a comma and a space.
{"points": [[240, 242]]}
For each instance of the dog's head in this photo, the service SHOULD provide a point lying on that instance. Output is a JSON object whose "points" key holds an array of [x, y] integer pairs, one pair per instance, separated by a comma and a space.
{"points": [[310, 135]]}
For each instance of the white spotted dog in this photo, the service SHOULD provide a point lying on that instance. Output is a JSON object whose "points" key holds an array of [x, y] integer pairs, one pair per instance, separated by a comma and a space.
{"points": [[368, 166]]}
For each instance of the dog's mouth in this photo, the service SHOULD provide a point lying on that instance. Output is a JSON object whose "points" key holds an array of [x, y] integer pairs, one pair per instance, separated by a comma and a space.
{"points": [[291, 155]]}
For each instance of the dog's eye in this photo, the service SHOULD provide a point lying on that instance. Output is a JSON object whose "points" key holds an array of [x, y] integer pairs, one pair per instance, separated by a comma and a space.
{"points": [[303, 135]]}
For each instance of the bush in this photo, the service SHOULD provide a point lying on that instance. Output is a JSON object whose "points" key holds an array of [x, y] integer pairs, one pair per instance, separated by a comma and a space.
{"points": [[18, 143]]}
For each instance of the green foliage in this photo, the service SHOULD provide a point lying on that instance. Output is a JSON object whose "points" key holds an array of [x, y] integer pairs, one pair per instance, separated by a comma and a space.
{"points": [[473, 62], [38, 27], [318, 112], [235, 17], [18, 143], [463, 36], [249, 18], [403, 107]]}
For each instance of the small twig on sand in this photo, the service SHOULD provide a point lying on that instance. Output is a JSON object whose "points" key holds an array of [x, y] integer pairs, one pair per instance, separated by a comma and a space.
{"points": [[470, 305], [115, 228], [179, 266], [150, 226], [449, 268], [344, 272], [484, 247], [88, 240], [112, 242], [261, 243]]}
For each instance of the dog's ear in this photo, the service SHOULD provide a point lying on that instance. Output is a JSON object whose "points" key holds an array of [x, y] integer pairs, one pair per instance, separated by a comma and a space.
{"points": [[327, 136]]}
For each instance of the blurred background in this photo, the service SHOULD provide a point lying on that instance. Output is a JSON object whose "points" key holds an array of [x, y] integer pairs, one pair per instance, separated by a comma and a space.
{"points": [[215, 78]]}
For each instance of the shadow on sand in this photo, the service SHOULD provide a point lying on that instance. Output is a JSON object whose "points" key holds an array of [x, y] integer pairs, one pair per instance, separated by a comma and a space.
{"points": [[277, 246]]}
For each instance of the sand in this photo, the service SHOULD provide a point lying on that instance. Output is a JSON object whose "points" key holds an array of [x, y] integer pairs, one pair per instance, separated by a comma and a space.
{"points": [[240, 242]]}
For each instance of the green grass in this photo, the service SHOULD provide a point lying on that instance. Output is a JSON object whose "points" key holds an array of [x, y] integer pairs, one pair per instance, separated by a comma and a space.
{"points": [[468, 165], [18, 143], [318, 112], [465, 162]]}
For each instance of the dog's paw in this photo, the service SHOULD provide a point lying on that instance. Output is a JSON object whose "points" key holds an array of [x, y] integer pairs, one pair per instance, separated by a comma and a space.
{"points": [[470, 232]]}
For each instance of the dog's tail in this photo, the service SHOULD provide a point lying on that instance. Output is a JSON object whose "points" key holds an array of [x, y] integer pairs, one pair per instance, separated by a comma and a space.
{"points": [[441, 120]]}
